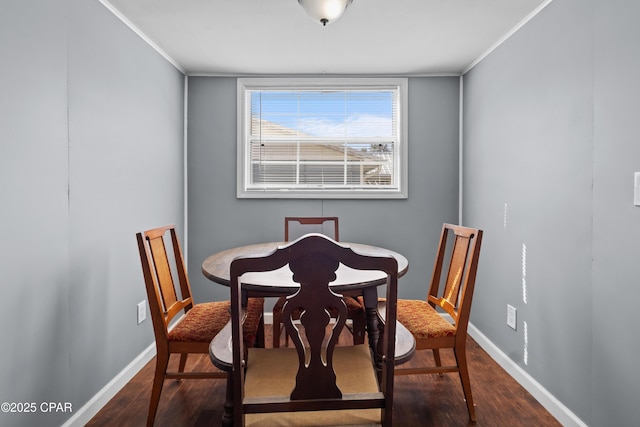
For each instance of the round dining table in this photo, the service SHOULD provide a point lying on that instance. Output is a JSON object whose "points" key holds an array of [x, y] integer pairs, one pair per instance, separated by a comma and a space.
{"points": [[348, 282], [278, 283]]}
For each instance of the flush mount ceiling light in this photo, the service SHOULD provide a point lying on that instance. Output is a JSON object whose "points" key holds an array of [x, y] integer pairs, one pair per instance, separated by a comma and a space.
{"points": [[325, 11]]}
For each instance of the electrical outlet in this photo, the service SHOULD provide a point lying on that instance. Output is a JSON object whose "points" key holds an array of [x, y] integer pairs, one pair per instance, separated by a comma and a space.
{"points": [[142, 311], [511, 316]]}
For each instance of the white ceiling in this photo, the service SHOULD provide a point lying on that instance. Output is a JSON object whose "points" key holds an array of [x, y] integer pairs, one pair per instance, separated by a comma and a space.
{"points": [[406, 37]]}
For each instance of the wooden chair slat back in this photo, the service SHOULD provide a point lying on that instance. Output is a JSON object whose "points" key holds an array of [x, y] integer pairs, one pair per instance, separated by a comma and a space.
{"points": [[295, 227], [456, 269], [181, 269], [315, 301], [163, 272], [454, 294], [159, 280]]}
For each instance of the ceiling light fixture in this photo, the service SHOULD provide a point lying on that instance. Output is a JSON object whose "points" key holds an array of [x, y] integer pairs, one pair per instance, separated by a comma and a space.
{"points": [[325, 11]]}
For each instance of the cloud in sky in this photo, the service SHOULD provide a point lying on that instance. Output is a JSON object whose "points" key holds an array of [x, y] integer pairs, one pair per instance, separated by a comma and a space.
{"points": [[361, 125]]}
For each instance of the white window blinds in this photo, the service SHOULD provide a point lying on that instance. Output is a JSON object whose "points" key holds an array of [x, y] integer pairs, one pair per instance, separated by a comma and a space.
{"points": [[321, 139]]}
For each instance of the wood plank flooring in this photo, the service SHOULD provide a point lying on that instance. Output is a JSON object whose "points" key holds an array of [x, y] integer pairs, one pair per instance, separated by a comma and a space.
{"points": [[420, 400]]}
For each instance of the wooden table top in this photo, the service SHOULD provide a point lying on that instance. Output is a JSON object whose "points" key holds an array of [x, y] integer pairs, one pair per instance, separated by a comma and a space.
{"points": [[216, 268]]}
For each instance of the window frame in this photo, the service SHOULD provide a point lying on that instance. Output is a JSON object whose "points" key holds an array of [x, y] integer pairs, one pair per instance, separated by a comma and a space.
{"points": [[243, 152]]}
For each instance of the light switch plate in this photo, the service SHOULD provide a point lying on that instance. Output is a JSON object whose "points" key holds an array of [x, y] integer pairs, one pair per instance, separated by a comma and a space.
{"points": [[636, 189]]}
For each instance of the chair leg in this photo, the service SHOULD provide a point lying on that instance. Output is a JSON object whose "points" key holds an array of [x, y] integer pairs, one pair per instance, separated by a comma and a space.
{"points": [[260, 334], [359, 326], [277, 321], [162, 361], [183, 362], [436, 356], [461, 359]]}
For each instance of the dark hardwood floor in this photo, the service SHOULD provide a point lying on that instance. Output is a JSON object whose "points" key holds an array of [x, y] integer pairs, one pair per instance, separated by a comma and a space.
{"points": [[420, 400]]}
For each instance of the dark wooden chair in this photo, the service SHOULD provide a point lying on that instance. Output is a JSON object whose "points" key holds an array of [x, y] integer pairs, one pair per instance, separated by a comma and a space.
{"points": [[315, 382], [295, 227], [200, 323], [450, 293]]}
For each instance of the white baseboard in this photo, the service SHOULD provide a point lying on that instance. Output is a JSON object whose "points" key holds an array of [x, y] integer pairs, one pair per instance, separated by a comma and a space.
{"points": [[93, 406], [542, 395]]}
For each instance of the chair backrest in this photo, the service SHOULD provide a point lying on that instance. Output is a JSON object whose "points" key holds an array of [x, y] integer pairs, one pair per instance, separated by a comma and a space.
{"points": [[453, 291], [313, 260], [295, 227], [159, 273]]}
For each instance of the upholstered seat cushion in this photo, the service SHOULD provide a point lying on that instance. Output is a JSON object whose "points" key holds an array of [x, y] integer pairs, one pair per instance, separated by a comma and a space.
{"points": [[422, 320], [272, 372], [205, 320]]}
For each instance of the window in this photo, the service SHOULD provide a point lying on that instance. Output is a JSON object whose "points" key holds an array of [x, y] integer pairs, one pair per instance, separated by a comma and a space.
{"points": [[322, 138]]}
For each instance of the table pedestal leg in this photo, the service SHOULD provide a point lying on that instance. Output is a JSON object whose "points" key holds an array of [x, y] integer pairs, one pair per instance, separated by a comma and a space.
{"points": [[227, 415], [371, 309]]}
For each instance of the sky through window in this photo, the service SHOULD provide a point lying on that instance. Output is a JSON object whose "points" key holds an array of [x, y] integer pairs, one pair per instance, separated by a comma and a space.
{"points": [[328, 113]]}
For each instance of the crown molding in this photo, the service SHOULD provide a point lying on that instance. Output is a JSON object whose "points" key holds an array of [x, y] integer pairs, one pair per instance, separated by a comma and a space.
{"points": [[504, 38], [142, 35]]}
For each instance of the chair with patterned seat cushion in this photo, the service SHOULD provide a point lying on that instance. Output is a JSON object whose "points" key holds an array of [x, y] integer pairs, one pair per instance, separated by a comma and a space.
{"points": [[295, 227], [317, 382], [200, 322], [450, 293]]}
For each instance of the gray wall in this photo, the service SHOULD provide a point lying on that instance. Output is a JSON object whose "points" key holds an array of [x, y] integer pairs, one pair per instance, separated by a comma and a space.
{"points": [[218, 220], [91, 152], [549, 125], [616, 222]]}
